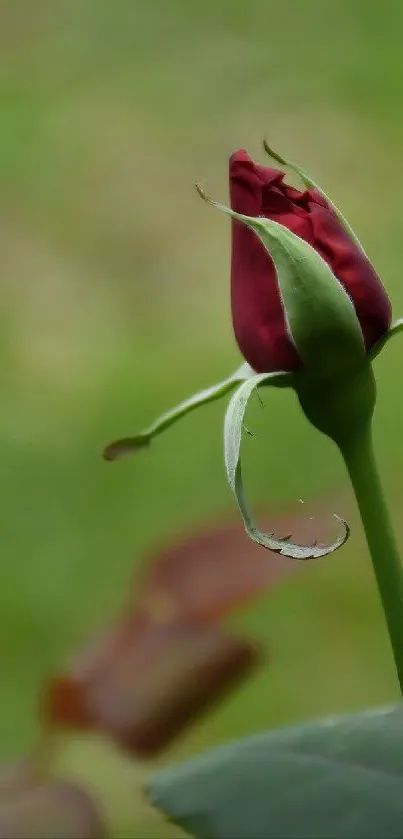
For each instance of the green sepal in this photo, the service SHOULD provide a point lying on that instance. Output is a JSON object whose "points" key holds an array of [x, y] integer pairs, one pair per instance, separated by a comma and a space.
{"points": [[396, 327], [128, 445], [310, 184], [233, 427], [319, 313]]}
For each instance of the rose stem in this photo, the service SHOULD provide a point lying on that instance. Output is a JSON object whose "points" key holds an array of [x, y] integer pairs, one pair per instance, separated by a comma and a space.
{"points": [[358, 454]]}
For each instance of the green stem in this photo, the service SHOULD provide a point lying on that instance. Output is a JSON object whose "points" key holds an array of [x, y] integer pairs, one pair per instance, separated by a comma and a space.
{"points": [[359, 457]]}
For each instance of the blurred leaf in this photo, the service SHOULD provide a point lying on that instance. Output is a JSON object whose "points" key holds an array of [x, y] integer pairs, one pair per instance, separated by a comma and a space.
{"points": [[147, 677], [340, 777], [208, 573], [15, 778], [143, 682], [50, 811], [211, 572]]}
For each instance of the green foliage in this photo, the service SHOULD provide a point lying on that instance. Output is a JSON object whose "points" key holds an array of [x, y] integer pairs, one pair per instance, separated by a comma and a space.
{"points": [[395, 328], [337, 777], [203, 397], [109, 110]]}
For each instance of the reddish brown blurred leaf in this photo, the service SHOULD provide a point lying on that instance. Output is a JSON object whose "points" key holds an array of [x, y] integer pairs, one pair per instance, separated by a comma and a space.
{"points": [[166, 661], [56, 810], [211, 572], [144, 682], [15, 778]]}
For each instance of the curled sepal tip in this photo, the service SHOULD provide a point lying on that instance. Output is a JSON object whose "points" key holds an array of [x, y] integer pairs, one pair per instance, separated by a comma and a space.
{"points": [[213, 203], [129, 445], [396, 327], [232, 441], [310, 184]]}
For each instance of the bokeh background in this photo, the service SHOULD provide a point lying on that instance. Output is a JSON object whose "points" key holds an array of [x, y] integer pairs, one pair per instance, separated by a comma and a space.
{"points": [[114, 306]]}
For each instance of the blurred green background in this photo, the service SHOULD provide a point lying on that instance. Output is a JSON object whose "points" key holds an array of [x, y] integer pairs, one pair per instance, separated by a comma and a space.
{"points": [[114, 306]]}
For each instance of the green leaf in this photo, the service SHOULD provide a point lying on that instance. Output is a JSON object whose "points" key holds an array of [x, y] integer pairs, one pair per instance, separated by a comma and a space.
{"points": [[338, 778], [396, 327], [233, 426], [319, 313], [128, 445], [310, 184]]}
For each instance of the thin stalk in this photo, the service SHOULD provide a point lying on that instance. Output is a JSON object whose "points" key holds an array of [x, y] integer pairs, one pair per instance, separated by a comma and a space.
{"points": [[358, 454]]}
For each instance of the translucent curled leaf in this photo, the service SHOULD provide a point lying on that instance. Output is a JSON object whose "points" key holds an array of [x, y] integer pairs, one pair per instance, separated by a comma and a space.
{"points": [[128, 445], [232, 442], [310, 184], [143, 682], [396, 327]]}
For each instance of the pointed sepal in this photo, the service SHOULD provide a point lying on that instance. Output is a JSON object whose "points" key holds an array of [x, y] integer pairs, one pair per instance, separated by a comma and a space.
{"points": [[310, 184], [393, 330], [128, 445], [319, 313]]}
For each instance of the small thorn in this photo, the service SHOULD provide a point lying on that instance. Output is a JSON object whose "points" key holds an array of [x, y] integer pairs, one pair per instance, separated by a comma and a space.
{"points": [[248, 431], [259, 397]]}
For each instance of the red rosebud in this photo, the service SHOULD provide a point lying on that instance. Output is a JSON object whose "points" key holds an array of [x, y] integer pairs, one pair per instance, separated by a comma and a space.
{"points": [[257, 311]]}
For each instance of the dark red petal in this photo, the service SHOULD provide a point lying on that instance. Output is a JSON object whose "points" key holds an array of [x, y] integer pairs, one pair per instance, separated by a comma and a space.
{"points": [[249, 183], [354, 271], [243, 168], [257, 312], [258, 317]]}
